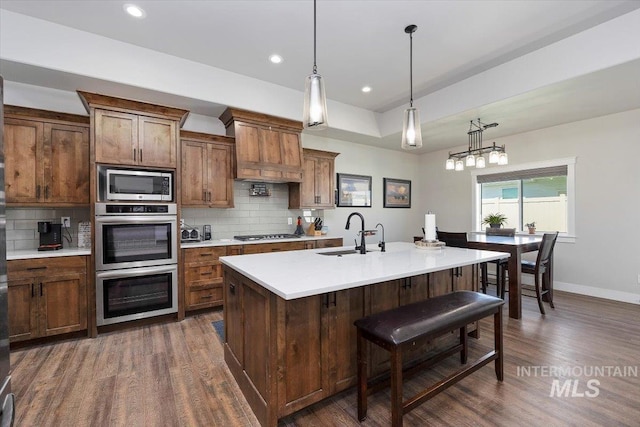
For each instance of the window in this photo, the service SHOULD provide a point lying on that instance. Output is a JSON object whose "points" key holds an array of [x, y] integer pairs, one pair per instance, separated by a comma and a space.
{"points": [[542, 193]]}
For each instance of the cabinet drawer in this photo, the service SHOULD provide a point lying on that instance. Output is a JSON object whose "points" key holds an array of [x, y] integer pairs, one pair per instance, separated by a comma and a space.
{"points": [[46, 266], [204, 254], [204, 297], [203, 272]]}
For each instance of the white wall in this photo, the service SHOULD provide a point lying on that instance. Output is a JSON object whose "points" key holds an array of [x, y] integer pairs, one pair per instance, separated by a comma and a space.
{"points": [[605, 258], [399, 223]]}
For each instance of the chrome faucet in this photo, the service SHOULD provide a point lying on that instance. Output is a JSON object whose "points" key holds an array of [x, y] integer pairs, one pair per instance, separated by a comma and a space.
{"points": [[362, 248], [381, 245]]}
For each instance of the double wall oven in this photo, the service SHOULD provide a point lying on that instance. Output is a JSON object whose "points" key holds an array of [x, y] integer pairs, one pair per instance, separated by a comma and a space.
{"points": [[136, 261]]}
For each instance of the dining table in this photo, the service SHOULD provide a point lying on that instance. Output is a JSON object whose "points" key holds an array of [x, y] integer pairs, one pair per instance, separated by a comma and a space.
{"points": [[515, 246]]}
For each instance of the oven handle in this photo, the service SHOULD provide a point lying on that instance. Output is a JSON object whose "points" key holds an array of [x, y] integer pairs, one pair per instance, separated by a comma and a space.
{"points": [[140, 271], [137, 219]]}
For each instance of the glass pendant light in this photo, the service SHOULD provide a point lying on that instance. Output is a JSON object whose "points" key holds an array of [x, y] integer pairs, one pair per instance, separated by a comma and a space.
{"points": [[450, 164], [493, 156], [314, 115], [480, 162], [470, 160], [459, 165], [503, 159], [411, 133]]}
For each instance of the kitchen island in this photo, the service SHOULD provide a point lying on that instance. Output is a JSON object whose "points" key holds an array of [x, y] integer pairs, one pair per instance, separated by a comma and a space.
{"points": [[289, 335]]}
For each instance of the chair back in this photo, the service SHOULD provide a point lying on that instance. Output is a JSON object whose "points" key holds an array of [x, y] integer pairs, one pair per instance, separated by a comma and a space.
{"points": [[507, 232], [453, 239], [546, 249]]}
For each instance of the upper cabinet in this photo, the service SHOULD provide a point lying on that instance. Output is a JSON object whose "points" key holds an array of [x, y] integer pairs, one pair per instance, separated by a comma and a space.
{"points": [[207, 170], [267, 148], [133, 133], [46, 157], [316, 191]]}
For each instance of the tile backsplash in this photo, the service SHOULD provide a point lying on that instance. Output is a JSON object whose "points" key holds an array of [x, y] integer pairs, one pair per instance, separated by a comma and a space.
{"points": [[251, 215], [22, 226]]}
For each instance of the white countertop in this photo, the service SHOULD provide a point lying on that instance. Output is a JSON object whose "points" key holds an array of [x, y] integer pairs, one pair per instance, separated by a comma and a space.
{"points": [[297, 274], [34, 253], [229, 242]]}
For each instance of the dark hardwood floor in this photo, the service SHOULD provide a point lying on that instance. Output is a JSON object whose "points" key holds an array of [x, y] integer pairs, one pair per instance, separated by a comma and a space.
{"points": [[173, 374]]}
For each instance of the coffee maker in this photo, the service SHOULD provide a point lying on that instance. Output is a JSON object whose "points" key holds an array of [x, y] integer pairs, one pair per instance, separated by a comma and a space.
{"points": [[50, 236]]}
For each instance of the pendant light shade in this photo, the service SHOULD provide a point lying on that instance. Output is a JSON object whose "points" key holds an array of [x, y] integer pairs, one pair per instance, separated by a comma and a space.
{"points": [[314, 115], [411, 132]]}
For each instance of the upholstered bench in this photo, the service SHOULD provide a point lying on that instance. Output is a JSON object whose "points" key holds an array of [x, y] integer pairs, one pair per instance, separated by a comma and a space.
{"points": [[399, 329]]}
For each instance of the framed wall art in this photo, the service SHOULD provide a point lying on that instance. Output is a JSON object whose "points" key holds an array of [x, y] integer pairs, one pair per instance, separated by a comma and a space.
{"points": [[353, 190], [397, 193]]}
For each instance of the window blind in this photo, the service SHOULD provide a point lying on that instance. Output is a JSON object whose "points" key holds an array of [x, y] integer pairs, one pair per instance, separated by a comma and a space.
{"points": [[523, 174]]}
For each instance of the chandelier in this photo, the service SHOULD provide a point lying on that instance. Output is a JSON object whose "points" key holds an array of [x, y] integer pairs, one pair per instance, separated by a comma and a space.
{"points": [[474, 156]]}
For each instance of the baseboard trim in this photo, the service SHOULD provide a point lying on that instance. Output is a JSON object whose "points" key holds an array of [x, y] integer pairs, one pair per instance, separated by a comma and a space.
{"points": [[629, 297]]}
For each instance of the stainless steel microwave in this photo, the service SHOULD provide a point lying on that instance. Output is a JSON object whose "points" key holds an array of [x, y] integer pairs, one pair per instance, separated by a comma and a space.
{"points": [[140, 185]]}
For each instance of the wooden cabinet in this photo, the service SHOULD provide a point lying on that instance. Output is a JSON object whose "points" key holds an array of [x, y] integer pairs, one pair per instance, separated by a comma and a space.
{"points": [[46, 157], [316, 191], [329, 243], [207, 170], [203, 277], [267, 148], [133, 133], [47, 296], [259, 248]]}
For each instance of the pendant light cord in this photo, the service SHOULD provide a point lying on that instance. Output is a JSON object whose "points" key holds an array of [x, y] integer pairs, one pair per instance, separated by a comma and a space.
{"points": [[410, 68], [315, 68]]}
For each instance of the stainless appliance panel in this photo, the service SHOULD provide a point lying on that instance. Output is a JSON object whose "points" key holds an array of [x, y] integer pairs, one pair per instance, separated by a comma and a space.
{"points": [[139, 185], [136, 293], [5, 366], [135, 241]]}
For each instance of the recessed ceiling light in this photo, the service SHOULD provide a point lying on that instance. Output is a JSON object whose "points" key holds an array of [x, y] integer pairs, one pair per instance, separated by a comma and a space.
{"points": [[366, 89], [134, 11], [276, 59]]}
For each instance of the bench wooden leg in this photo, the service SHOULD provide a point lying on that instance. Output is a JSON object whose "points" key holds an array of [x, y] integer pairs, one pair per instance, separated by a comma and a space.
{"points": [[463, 343], [497, 331], [397, 409], [361, 346]]}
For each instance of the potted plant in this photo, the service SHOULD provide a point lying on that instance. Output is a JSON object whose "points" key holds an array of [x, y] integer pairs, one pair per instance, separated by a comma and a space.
{"points": [[532, 227], [495, 220]]}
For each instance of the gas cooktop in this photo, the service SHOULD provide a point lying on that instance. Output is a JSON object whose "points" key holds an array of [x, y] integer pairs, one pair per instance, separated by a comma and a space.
{"points": [[266, 237]]}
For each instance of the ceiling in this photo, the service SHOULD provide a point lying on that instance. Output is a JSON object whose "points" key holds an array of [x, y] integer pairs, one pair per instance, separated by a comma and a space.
{"points": [[360, 43]]}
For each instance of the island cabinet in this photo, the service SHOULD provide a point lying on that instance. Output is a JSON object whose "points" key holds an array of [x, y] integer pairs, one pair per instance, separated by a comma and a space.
{"points": [[133, 133], [46, 158], [316, 191], [47, 296], [289, 354], [207, 170], [203, 277], [268, 148]]}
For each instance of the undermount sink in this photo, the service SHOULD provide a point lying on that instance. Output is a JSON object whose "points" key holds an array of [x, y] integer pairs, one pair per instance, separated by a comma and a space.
{"points": [[341, 252]]}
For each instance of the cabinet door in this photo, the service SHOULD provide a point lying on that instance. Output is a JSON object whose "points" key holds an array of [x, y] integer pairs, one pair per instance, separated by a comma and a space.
{"points": [[233, 324], [23, 321], [291, 149], [329, 243], [220, 176], [194, 173], [302, 347], [440, 283], [116, 137], [63, 303], [247, 143], [383, 296], [23, 147], [348, 306], [324, 182], [270, 150], [463, 278], [308, 184], [157, 142], [66, 165]]}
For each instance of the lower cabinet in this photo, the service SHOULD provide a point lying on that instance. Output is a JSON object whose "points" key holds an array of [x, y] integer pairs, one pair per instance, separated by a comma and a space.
{"points": [[203, 277], [47, 296], [289, 354]]}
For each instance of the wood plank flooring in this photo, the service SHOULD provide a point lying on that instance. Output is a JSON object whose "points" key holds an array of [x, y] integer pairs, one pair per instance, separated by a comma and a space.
{"points": [[173, 374]]}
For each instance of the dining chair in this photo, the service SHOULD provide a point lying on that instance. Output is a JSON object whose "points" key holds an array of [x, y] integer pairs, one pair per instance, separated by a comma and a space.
{"points": [[453, 239], [541, 270], [501, 264]]}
